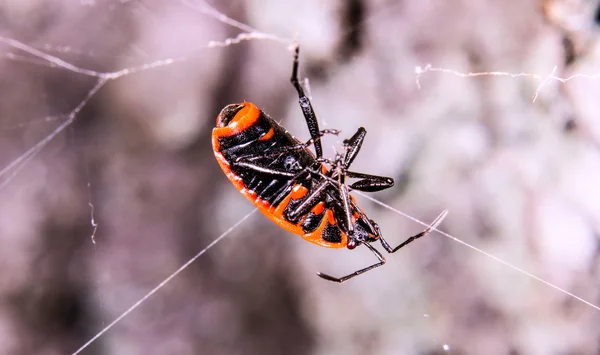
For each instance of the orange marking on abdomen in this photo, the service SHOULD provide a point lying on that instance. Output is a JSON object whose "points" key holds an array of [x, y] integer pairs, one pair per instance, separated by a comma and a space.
{"points": [[319, 208], [298, 192], [268, 135], [243, 120], [275, 213], [317, 236]]}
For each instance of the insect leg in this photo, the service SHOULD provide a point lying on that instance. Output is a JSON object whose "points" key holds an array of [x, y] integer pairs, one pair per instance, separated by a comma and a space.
{"points": [[353, 146], [307, 109], [272, 153], [345, 203], [432, 226], [321, 133], [356, 273], [261, 169], [341, 197], [311, 200], [282, 193], [369, 183], [283, 150]]}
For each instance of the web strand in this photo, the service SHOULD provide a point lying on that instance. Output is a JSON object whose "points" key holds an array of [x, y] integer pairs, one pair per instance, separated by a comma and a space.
{"points": [[10, 171], [482, 252], [17, 164], [419, 71], [47, 57], [164, 282]]}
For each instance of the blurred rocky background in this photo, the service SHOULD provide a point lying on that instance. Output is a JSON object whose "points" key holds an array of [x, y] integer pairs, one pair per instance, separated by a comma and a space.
{"points": [[521, 179]]}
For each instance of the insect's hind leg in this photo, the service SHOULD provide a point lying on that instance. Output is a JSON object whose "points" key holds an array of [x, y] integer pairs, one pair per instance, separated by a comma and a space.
{"points": [[314, 198], [263, 170]]}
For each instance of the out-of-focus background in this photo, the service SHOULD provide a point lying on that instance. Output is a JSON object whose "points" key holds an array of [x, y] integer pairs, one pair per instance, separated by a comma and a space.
{"points": [[521, 179]]}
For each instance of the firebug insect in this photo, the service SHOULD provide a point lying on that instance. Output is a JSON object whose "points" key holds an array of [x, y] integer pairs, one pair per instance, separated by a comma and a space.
{"points": [[302, 192]]}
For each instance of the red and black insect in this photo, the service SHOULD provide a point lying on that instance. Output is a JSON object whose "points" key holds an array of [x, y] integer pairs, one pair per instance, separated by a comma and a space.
{"points": [[304, 193]]}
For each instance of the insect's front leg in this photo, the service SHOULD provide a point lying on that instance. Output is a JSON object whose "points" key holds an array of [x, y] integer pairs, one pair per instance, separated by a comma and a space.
{"points": [[307, 109], [353, 146], [427, 230], [358, 272], [369, 183]]}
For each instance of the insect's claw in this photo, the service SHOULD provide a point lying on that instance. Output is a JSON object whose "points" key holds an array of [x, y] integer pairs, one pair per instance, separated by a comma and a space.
{"points": [[329, 278]]}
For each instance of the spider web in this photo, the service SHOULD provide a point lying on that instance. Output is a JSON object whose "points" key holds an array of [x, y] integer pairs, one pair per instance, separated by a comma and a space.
{"points": [[111, 282]]}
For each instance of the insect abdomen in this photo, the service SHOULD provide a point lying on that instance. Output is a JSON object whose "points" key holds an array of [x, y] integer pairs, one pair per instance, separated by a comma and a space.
{"points": [[245, 133], [255, 135]]}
